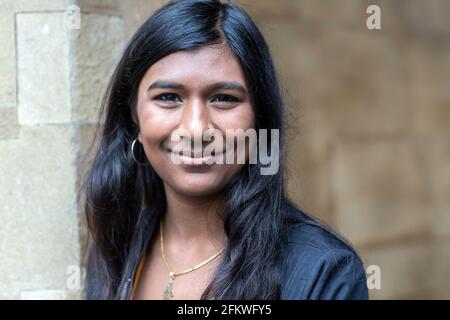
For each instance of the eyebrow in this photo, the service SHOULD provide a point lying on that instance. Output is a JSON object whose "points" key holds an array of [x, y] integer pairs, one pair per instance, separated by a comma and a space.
{"points": [[224, 85]]}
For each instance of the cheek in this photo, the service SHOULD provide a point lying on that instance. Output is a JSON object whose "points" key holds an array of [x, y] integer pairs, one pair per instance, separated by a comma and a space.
{"points": [[239, 118], [154, 130], [155, 124], [150, 135]]}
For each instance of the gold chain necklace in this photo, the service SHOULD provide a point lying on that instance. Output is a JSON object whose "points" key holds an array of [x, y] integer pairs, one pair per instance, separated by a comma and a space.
{"points": [[168, 292]]}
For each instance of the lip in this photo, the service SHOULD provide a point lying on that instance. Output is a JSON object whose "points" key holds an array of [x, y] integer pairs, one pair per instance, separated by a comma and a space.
{"points": [[195, 159]]}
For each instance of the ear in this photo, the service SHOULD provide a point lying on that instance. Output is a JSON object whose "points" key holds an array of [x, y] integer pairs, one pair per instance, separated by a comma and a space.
{"points": [[139, 137]]}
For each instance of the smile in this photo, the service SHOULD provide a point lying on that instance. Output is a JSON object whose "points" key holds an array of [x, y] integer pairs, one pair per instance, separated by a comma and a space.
{"points": [[194, 159]]}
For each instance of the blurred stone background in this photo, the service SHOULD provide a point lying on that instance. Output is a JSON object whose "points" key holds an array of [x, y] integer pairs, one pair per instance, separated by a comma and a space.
{"points": [[369, 148]]}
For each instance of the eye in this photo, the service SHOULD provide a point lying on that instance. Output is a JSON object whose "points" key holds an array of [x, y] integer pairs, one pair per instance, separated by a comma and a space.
{"points": [[168, 98], [225, 99]]}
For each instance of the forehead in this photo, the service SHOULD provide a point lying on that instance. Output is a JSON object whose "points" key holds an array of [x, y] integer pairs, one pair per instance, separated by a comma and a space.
{"points": [[202, 65]]}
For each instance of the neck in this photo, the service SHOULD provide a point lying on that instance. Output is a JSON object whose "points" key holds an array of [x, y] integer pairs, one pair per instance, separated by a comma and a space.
{"points": [[194, 222]]}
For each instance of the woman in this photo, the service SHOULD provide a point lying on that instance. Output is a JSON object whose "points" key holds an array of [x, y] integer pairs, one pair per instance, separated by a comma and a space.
{"points": [[196, 229]]}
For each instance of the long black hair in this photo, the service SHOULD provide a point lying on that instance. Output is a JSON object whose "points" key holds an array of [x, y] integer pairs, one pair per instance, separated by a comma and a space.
{"points": [[124, 200]]}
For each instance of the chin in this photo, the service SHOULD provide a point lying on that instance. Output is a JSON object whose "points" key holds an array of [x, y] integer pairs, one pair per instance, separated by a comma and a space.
{"points": [[198, 185]]}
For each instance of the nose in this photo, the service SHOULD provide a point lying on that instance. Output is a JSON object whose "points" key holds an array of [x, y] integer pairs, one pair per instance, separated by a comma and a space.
{"points": [[195, 120]]}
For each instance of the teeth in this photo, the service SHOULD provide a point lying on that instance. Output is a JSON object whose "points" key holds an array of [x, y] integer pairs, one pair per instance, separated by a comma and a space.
{"points": [[194, 155]]}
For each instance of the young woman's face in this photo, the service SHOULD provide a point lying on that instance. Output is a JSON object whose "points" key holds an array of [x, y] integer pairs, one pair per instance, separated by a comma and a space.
{"points": [[192, 91]]}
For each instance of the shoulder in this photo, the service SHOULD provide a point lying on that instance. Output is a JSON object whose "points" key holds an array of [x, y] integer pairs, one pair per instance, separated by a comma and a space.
{"points": [[317, 263]]}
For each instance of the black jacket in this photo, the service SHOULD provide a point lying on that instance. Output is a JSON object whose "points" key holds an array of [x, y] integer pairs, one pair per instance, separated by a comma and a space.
{"points": [[315, 263]]}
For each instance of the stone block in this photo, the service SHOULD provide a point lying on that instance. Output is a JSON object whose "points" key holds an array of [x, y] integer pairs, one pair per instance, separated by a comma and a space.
{"points": [[94, 60], [430, 89], [379, 191], [266, 11], [308, 178], [344, 83], [437, 158], [9, 126], [43, 295], [8, 97], [39, 234], [427, 19], [21, 6], [43, 66], [441, 266], [99, 6], [405, 270], [136, 12]]}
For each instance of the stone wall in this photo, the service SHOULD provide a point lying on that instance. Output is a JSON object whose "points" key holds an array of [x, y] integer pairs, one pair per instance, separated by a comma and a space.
{"points": [[51, 80], [370, 153], [369, 149]]}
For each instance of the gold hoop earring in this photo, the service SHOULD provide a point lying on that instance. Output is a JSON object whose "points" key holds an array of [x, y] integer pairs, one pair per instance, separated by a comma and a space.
{"points": [[132, 154]]}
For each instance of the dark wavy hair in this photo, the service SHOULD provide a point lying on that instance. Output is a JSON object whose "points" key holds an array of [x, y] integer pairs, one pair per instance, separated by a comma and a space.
{"points": [[124, 201]]}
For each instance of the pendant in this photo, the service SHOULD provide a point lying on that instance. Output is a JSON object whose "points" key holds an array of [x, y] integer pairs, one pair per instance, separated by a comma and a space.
{"points": [[168, 292]]}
